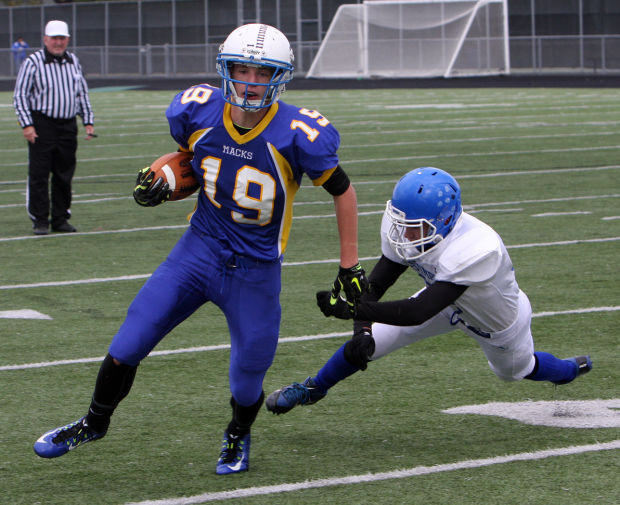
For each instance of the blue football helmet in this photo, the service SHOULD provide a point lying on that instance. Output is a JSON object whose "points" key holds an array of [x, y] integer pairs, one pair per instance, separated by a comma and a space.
{"points": [[256, 45], [425, 206]]}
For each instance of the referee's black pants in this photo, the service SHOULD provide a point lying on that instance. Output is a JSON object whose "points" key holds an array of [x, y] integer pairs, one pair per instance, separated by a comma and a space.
{"points": [[53, 152]]}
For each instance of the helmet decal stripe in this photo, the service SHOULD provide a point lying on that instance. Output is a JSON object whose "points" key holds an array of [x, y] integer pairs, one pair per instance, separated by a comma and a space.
{"points": [[260, 40]]}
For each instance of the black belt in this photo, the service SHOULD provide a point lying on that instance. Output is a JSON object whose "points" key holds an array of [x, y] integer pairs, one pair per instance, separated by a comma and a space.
{"points": [[59, 120]]}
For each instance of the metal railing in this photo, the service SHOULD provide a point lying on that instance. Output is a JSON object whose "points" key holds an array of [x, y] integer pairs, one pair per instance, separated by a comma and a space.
{"points": [[573, 54]]}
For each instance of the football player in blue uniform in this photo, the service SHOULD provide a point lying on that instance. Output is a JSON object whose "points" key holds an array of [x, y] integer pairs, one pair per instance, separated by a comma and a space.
{"points": [[251, 152], [470, 286]]}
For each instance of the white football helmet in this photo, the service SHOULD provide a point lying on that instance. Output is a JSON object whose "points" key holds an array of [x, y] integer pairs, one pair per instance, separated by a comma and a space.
{"points": [[255, 45]]}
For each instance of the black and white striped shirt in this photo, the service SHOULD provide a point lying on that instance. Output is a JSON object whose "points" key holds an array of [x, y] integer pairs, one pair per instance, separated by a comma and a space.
{"points": [[52, 86]]}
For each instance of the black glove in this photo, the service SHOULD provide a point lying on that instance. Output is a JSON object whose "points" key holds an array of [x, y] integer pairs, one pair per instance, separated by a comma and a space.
{"points": [[362, 346], [361, 327], [334, 306], [352, 281], [147, 193], [362, 332]]}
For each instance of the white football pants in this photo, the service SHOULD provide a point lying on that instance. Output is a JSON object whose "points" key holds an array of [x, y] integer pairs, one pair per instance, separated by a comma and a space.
{"points": [[510, 352]]}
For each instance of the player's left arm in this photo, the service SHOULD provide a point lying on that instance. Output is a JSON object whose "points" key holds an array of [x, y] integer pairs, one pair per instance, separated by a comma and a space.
{"points": [[412, 311], [345, 203], [317, 143], [383, 275], [351, 276]]}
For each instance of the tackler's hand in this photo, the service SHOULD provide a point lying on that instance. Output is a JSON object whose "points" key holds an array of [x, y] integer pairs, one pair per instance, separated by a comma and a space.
{"points": [[148, 193], [335, 306]]}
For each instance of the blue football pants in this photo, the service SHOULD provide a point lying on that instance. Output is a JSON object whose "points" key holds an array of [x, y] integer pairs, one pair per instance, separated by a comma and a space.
{"points": [[200, 269]]}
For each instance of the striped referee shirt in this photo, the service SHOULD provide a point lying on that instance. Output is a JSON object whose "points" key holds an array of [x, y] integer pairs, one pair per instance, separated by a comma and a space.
{"points": [[54, 86]]}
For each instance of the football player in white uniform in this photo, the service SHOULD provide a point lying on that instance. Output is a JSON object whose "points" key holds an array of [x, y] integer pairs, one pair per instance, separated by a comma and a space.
{"points": [[470, 286]]}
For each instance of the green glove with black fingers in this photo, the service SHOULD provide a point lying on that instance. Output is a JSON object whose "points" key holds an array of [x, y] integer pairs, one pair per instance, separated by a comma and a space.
{"points": [[353, 282], [148, 193], [335, 306]]}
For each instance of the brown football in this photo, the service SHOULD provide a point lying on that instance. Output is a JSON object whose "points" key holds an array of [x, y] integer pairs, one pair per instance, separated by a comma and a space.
{"points": [[176, 169]]}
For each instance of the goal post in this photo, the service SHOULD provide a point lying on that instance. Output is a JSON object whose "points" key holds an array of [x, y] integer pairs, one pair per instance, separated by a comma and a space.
{"points": [[415, 38]]}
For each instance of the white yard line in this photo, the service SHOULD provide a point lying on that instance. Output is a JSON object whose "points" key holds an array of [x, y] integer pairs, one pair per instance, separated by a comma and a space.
{"points": [[386, 181], [304, 338], [327, 202], [375, 477], [554, 214], [479, 154], [286, 263], [444, 142], [23, 314]]}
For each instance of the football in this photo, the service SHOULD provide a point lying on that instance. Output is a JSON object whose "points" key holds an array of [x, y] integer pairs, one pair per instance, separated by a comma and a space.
{"points": [[176, 170]]}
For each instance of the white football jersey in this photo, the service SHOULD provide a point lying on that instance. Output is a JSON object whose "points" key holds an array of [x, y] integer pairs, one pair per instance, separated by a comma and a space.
{"points": [[472, 255]]}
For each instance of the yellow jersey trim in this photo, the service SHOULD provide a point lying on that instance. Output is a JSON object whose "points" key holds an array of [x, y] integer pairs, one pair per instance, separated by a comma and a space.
{"points": [[326, 175], [254, 132], [291, 187]]}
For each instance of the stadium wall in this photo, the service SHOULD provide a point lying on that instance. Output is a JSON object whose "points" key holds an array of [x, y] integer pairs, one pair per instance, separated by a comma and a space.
{"points": [[180, 38]]}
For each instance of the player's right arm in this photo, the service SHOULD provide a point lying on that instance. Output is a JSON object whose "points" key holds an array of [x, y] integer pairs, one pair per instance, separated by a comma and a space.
{"points": [[21, 96], [149, 194], [190, 111]]}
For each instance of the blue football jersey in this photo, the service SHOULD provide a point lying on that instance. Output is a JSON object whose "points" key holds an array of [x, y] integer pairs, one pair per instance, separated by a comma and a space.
{"points": [[250, 180]]}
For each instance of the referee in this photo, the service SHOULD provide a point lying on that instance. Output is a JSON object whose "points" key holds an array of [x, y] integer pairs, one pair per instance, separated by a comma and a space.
{"points": [[50, 92]]}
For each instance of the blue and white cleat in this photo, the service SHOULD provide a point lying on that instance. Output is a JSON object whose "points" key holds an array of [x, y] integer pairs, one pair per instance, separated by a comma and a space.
{"points": [[284, 399], [583, 365], [235, 455], [61, 440]]}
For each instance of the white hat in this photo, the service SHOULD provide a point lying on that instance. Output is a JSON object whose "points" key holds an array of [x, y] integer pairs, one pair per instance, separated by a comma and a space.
{"points": [[57, 29]]}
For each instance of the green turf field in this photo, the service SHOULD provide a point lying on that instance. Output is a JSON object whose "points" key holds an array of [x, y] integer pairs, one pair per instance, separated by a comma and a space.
{"points": [[539, 165]]}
